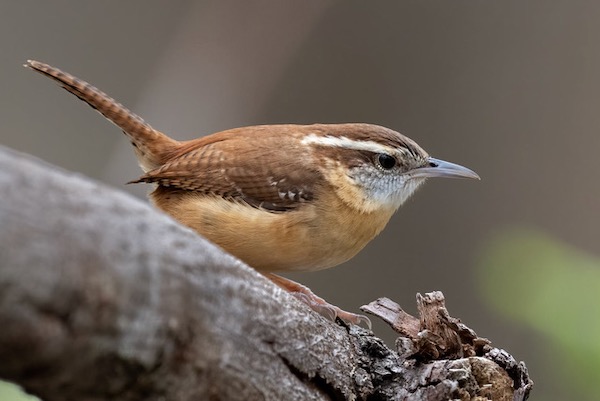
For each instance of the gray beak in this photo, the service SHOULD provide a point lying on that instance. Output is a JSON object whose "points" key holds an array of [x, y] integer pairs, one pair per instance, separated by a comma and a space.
{"points": [[440, 168]]}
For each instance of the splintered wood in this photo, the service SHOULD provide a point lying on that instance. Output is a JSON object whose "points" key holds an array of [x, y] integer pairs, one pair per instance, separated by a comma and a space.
{"points": [[435, 335]]}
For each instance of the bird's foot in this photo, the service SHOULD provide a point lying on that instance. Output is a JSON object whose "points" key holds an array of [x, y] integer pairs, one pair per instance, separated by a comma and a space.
{"points": [[317, 303]]}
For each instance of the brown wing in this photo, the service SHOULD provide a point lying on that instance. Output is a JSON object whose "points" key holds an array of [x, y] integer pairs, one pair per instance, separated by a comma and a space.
{"points": [[239, 165]]}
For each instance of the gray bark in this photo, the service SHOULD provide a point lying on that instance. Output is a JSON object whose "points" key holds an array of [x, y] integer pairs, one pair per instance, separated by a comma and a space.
{"points": [[103, 297]]}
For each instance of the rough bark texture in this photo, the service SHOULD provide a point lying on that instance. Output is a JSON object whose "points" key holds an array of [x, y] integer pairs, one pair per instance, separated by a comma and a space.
{"points": [[104, 298]]}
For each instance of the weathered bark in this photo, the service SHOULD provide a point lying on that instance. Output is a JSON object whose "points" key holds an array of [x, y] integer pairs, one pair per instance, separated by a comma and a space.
{"points": [[103, 298]]}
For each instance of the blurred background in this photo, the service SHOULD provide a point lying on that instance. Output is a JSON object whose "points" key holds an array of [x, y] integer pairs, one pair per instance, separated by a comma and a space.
{"points": [[508, 88]]}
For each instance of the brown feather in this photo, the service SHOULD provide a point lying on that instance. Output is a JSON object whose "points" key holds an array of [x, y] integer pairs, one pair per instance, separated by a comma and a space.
{"points": [[237, 166]]}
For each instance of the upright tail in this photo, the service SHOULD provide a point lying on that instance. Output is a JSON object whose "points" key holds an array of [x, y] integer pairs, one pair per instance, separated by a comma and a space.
{"points": [[152, 147]]}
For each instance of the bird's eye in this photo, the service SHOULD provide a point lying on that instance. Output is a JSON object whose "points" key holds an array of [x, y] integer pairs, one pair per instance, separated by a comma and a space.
{"points": [[386, 161]]}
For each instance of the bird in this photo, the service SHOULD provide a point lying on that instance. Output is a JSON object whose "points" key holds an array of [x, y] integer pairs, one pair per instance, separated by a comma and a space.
{"points": [[283, 197]]}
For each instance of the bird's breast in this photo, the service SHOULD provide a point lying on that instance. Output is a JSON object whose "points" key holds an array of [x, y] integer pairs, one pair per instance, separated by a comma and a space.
{"points": [[315, 236]]}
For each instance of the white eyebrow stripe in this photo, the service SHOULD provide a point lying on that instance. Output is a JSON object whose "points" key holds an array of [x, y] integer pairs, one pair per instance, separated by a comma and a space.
{"points": [[345, 142]]}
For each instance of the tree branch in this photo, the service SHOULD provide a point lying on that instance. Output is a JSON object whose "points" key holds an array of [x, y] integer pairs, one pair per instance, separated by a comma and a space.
{"points": [[102, 297]]}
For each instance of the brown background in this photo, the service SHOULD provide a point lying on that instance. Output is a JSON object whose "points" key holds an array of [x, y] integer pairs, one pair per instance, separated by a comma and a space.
{"points": [[508, 88]]}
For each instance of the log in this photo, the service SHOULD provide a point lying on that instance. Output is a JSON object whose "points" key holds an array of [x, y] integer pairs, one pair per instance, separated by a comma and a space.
{"points": [[103, 297]]}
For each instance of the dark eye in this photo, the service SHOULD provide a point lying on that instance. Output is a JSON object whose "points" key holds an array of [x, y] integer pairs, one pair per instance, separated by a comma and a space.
{"points": [[386, 161]]}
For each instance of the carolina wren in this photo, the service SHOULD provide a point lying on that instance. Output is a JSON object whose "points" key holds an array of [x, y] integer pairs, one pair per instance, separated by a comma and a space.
{"points": [[279, 197]]}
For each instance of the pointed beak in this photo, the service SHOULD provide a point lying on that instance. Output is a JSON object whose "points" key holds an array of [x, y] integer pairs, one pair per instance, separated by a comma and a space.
{"points": [[440, 168]]}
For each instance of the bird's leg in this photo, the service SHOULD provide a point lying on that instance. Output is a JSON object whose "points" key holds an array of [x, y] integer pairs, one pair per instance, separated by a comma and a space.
{"points": [[317, 303]]}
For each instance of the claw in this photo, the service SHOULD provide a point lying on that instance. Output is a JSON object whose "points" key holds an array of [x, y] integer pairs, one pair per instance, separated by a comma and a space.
{"points": [[365, 320]]}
